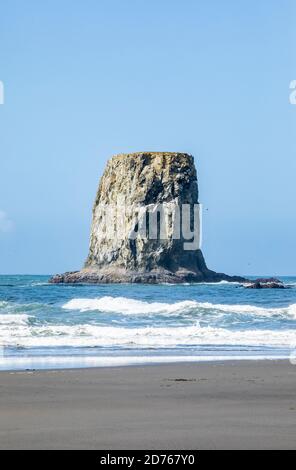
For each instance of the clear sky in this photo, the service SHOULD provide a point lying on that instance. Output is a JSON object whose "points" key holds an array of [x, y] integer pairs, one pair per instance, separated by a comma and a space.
{"points": [[86, 79]]}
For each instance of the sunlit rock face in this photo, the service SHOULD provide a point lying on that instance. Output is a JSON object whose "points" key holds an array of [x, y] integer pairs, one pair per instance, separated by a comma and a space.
{"points": [[146, 225]]}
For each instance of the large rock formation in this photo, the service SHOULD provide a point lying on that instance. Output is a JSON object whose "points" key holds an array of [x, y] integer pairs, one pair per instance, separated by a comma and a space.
{"points": [[126, 245]]}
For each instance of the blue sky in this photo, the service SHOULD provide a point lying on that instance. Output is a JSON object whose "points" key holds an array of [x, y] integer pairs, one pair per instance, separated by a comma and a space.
{"points": [[86, 79]]}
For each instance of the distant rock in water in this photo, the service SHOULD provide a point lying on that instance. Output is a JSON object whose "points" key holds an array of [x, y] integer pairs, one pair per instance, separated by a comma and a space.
{"points": [[266, 283], [124, 245]]}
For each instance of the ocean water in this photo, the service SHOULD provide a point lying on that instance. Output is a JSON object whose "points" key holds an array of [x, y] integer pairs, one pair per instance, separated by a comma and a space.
{"points": [[53, 326]]}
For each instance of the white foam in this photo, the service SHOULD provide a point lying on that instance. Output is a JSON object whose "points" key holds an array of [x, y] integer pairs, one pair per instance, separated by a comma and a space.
{"points": [[221, 283], [292, 310], [129, 306], [45, 283], [148, 337], [14, 319], [3, 303]]}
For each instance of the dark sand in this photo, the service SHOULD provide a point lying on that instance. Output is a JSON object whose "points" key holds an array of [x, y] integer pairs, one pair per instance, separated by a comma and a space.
{"points": [[240, 405]]}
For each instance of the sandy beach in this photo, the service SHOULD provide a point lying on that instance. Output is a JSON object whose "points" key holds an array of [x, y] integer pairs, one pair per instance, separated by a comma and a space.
{"points": [[229, 405]]}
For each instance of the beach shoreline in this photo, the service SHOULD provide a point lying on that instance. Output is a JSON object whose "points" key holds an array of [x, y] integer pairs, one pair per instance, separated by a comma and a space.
{"points": [[202, 405], [54, 363]]}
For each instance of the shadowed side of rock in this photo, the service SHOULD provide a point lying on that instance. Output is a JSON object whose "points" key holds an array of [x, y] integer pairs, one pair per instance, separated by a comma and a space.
{"points": [[139, 183]]}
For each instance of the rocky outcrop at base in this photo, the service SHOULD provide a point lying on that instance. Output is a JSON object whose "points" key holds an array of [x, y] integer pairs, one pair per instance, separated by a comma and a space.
{"points": [[105, 276]]}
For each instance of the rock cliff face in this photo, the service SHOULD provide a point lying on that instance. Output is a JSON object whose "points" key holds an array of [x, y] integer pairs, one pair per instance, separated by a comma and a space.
{"points": [[137, 232]]}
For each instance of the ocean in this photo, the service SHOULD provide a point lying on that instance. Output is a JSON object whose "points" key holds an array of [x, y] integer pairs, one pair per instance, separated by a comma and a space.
{"points": [[44, 325]]}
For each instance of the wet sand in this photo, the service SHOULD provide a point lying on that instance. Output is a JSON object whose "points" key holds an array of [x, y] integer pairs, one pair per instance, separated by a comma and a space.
{"points": [[228, 405]]}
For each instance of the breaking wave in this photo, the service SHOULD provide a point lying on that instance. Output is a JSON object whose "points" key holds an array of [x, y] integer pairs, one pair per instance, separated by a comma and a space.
{"points": [[11, 319], [129, 306], [149, 337]]}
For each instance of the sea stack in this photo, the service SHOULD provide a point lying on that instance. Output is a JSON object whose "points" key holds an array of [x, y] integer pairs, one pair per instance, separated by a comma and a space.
{"points": [[124, 247]]}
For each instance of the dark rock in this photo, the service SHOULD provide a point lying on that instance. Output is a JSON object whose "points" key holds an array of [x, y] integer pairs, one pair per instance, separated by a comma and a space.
{"points": [[266, 284], [265, 280]]}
